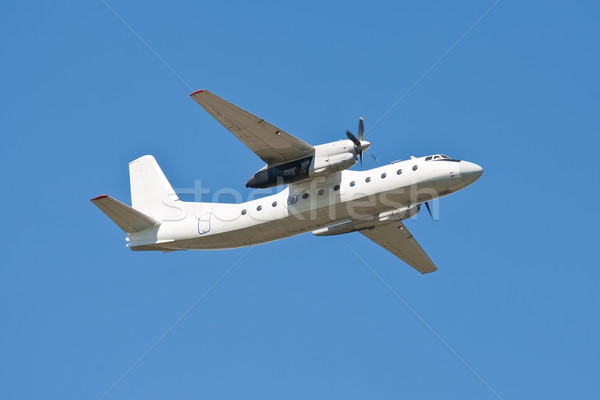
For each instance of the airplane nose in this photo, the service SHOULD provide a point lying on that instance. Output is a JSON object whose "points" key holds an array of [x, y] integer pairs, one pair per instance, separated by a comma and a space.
{"points": [[469, 172]]}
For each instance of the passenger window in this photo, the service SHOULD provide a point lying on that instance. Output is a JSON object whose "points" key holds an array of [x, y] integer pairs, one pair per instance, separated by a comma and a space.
{"points": [[399, 172], [352, 184], [415, 167], [305, 196], [274, 204], [336, 187], [368, 179], [321, 191], [258, 208], [383, 175], [292, 199], [244, 212]]}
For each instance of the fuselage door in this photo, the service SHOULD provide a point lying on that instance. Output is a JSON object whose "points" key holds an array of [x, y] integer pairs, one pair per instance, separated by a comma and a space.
{"points": [[204, 223]]}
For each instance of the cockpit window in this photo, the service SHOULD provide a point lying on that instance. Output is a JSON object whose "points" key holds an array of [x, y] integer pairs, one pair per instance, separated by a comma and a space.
{"points": [[437, 157]]}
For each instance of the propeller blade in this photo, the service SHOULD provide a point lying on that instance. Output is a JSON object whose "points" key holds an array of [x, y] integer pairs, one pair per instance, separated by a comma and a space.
{"points": [[361, 129], [353, 138], [361, 158], [428, 209], [372, 155]]}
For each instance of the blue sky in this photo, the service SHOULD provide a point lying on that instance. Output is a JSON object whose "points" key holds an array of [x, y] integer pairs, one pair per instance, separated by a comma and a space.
{"points": [[516, 293]]}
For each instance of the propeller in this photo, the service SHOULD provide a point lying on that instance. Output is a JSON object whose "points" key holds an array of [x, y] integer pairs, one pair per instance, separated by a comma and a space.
{"points": [[360, 144], [428, 209], [361, 129]]}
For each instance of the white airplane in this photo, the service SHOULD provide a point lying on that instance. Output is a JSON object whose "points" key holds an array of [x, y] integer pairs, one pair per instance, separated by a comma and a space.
{"points": [[322, 195]]}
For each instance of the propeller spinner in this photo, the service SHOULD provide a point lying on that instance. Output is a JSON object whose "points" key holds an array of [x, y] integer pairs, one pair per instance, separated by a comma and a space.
{"points": [[360, 144]]}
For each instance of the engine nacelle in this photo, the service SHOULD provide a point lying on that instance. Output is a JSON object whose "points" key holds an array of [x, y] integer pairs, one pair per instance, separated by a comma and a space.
{"points": [[350, 225], [399, 214], [327, 159], [333, 157], [281, 174]]}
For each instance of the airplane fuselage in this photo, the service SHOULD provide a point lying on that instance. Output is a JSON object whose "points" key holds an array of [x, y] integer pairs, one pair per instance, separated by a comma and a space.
{"points": [[338, 203]]}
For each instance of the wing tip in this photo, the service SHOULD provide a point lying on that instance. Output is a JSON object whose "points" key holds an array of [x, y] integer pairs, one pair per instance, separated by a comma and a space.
{"points": [[102, 196], [197, 91]]}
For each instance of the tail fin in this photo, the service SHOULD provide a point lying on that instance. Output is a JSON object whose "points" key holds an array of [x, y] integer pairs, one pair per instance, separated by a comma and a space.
{"points": [[150, 189], [127, 218]]}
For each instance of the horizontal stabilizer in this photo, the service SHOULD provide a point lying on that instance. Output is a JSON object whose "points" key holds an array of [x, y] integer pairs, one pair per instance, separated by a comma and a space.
{"points": [[128, 219]]}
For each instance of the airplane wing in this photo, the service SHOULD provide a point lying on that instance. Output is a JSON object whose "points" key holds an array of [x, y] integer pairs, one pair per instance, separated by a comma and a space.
{"points": [[395, 238], [270, 143]]}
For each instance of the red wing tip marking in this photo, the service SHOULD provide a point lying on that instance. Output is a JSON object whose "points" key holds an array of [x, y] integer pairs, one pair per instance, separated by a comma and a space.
{"points": [[197, 91], [100, 197]]}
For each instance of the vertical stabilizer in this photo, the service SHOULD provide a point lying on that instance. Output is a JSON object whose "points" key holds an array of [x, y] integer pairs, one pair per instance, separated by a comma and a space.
{"points": [[151, 192]]}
